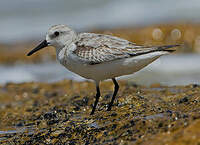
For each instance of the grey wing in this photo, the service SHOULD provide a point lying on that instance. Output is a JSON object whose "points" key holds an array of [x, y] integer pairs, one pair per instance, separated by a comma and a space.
{"points": [[98, 48]]}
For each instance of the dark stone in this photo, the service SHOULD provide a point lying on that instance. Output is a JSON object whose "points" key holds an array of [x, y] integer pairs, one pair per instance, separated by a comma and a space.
{"points": [[54, 94], [132, 123], [66, 118], [29, 142], [38, 122], [127, 115], [105, 133], [50, 94], [72, 142], [140, 97], [159, 108], [50, 115], [107, 96], [75, 97], [160, 125], [85, 100], [195, 85], [129, 132], [65, 111], [195, 117], [183, 100], [20, 124], [76, 108], [51, 122], [29, 110], [125, 126], [169, 111], [35, 104], [68, 129], [30, 124], [68, 135], [81, 103], [35, 90], [134, 113], [87, 142], [133, 139], [113, 114], [114, 126], [62, 135]]}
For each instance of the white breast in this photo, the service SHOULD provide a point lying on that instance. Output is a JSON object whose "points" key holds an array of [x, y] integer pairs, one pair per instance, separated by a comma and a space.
{"points": [[107, 70]]}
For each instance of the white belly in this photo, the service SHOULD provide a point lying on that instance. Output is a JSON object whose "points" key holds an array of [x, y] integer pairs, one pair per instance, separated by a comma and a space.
{"points": [[111, 69]]}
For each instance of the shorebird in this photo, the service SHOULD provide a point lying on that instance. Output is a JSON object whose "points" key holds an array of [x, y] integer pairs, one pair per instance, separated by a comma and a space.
{"points": [[98, 56]]}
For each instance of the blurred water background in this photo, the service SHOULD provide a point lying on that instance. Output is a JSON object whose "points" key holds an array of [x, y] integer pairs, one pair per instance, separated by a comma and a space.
{"points": [[168, 71], [23, 20]]}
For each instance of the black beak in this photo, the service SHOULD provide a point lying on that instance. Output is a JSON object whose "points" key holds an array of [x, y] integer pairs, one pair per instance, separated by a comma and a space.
{"points": [[40, 46]]}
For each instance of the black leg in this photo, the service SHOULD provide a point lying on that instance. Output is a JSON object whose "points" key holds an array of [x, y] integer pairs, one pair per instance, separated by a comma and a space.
{"points": [[97, 99], [114, 94]]}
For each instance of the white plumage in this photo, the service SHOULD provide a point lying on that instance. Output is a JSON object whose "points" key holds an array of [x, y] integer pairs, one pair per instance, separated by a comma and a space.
{"points": [[99, 57]]}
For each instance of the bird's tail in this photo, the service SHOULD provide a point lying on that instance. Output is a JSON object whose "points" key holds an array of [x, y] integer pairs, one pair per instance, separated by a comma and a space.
{"points": [[157, 48], [166, 48]]}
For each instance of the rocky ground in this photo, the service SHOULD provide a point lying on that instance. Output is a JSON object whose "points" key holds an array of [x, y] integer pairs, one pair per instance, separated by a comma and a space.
{"points": [[58, 113]]}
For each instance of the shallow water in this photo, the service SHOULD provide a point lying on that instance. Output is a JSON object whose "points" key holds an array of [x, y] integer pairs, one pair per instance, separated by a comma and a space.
{"points": [[12, 131], [168, 70], [5, 134]]}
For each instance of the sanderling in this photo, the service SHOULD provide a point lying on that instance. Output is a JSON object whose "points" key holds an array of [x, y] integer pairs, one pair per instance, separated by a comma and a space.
{"points": [[99, 57]]}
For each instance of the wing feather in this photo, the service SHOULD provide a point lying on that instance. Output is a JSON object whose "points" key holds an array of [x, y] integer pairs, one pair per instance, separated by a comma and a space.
{"points": [[99, 48]]}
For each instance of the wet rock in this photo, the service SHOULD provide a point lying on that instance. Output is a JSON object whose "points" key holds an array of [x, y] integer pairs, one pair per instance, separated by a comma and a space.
{"points": [[81, 103], [35, 90], [50, 115], [77, 108], [132, 122], [65, 119], [140, 97], [195, 85], [183, 100], [20, 124], [51, 122], [113, 114], [160, 125], [50, 94], [114, 126], [75, 97], [107, 96]]}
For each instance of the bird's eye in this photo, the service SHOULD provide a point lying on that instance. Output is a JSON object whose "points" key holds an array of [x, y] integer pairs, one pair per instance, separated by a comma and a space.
{"points": [[56, 33]]}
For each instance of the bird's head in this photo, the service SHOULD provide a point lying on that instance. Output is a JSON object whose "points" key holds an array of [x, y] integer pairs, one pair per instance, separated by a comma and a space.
{"points": [[57, 36]]}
